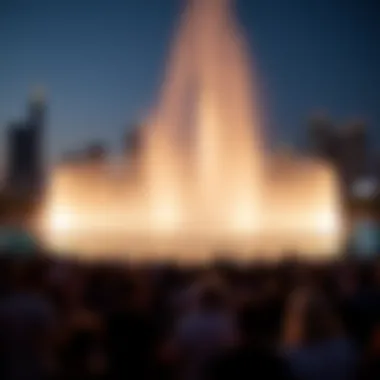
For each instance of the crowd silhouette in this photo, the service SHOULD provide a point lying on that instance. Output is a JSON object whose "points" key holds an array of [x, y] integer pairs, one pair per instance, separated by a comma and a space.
{"points": [[61, 319]]}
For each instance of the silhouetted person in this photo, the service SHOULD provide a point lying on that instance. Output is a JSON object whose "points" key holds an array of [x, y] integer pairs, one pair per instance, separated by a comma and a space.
{"points": [[314, 345], [203, 334], [130, 334], [27, 324]]}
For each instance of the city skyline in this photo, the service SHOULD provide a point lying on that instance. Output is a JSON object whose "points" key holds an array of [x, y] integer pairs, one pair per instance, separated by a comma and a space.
{"points": [[102, 63]]}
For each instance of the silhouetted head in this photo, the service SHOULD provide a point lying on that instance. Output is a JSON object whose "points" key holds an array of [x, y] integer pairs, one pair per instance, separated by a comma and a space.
{"points": [[30, 275], [211, 299]]}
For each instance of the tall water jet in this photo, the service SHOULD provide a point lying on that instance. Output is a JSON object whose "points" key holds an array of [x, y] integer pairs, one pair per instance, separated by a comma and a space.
{"points": [[207, 91], [204, 182]]}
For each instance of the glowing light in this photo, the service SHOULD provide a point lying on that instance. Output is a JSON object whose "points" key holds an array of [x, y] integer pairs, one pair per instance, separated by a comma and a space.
{"points": [[61, 219], [328, 223], [201, 177], [165, 218], [243, 219]]}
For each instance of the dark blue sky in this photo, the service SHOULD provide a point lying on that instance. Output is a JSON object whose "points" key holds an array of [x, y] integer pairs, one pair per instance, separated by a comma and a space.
{"points": [[102, 61]]}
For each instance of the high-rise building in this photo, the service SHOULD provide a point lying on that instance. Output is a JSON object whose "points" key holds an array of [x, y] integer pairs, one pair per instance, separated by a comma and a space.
{"points": [[36, 124], [346, 148], [323, 139], [354, 156], [21, 158], [25, 171], [18, 156]]}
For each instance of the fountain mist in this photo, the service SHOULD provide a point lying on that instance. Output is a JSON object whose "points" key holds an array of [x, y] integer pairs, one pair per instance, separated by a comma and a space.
{"points": [[204, 183]]}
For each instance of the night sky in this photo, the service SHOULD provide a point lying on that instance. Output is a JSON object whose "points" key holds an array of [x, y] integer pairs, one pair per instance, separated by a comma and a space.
{"points": [[102, 61]]}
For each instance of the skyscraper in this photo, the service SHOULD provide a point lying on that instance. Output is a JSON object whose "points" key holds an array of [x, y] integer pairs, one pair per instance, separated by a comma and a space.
{"points": [[323, 139], [36, 124], [354, 153], [25, 172], [346, 148], [19, 156]]}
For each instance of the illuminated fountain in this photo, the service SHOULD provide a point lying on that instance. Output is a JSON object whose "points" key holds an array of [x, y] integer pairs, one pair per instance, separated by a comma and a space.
{"points": [[204, 182]]}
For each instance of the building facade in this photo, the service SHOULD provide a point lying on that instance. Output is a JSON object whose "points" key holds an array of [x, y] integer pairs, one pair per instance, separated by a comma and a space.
{"points": [[25, 158]]}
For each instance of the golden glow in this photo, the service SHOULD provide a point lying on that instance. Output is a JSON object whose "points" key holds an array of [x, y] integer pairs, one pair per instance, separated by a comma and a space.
{"points": [[204, 182], [61, 219], [327, 223], [165, 218]]}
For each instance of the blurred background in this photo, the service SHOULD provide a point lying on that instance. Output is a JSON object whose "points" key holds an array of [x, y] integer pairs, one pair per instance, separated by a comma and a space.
{"points": [[189, 189]]}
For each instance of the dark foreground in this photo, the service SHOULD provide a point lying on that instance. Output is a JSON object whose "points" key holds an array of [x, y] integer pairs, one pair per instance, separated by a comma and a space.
{"points": [[64, 320]]}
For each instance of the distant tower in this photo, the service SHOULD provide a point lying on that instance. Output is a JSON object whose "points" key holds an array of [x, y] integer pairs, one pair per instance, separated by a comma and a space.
{"points": [[354, 154], [323, 139], [25, 167], [36, 121], [19, 158]]}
